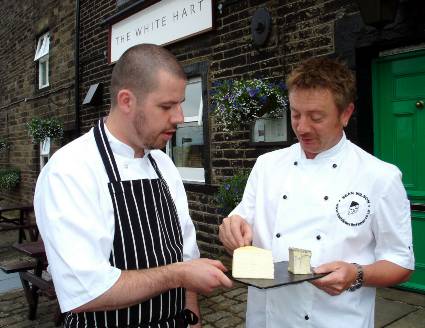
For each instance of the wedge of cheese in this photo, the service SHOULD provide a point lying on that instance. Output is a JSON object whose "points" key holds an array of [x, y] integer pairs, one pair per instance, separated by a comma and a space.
{"points": [[299, 261], [252, 262]]}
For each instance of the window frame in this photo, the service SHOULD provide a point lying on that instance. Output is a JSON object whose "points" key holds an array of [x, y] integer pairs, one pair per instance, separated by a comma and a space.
{"points": [[194, 70], [290, 136], [41, 56], [43, 61]]}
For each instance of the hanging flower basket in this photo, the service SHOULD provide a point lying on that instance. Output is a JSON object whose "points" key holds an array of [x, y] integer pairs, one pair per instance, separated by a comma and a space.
{"points": [[230, 192], [239, 102], [9, 178], [40, 129]]}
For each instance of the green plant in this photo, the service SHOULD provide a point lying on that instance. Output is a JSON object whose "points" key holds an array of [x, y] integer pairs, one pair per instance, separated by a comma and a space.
{"points": [[9, 178], [230, 192], [39, 129], [4, 145], [237, 102]]}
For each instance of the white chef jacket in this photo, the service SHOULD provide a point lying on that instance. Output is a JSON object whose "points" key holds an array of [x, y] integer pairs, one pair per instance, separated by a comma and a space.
{"points": [[75, 215], [343, 205]]}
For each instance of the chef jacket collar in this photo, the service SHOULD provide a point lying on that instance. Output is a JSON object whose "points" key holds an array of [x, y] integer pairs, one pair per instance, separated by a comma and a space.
{"points": [[120, 148], [328, 154]]}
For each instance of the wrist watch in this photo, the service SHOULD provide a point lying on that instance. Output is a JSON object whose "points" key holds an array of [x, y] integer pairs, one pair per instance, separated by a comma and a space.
{"points": [[359, 278]]}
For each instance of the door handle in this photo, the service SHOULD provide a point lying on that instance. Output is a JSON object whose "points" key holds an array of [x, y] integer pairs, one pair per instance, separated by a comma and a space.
{"points": [[420, 104]]}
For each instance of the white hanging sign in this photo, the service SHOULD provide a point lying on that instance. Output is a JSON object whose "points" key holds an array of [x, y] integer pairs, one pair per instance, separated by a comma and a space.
{"points": [[162, 23]]}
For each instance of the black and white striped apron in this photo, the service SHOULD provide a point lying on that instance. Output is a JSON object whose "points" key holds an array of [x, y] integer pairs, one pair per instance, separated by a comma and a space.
{"points": [[147, 235]]}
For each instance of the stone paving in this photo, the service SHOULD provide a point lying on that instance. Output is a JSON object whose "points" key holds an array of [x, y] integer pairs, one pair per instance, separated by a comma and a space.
{"points": [[226, 309]]}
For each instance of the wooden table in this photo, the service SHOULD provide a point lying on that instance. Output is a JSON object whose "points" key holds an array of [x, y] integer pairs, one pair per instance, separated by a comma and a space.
{"points": [[21, 223]]}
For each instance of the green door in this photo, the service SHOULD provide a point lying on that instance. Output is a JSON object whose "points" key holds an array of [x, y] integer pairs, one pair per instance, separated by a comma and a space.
{"points": [[399, 135]]}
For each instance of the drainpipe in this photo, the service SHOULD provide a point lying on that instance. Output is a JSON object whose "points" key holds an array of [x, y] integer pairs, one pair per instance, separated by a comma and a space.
{"points": [[77, 70]]}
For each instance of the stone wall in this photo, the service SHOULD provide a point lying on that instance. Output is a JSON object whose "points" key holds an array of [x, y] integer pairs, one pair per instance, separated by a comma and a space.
{"points": [[22, 23]]}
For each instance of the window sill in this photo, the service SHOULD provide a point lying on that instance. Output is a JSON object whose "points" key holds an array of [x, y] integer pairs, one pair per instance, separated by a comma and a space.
{"points": [[200, 187]]}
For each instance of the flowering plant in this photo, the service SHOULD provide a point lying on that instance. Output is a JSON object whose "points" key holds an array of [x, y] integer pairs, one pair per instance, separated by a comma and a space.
{"points": [[242, 101], [40, 129], [231, 191], [9, 178]]}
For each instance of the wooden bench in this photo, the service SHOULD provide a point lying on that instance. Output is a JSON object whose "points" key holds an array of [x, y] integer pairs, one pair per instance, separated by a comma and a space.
{"points": [[23, 263], [17, 217], [31, 228], [32, 280], [33, 285]]}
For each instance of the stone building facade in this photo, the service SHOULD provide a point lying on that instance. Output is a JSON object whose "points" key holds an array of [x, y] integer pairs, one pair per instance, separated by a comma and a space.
{"points": [[299, 29], [21, 98]]}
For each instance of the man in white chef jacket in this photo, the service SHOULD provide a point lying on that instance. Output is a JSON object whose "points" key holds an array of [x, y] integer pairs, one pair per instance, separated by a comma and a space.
{"points": [[327, 195], [113, 213]]}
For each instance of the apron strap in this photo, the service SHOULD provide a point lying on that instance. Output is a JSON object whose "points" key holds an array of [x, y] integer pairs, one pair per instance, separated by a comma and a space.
{"points": [[106, 152], [155, 167]]}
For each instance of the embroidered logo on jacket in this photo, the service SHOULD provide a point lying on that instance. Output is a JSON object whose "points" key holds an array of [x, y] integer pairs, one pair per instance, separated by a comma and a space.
{"points": [[353, 208]]}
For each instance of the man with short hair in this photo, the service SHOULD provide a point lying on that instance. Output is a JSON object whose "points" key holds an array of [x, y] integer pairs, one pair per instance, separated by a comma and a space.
{"points": [[113, 213], [327, 195]]}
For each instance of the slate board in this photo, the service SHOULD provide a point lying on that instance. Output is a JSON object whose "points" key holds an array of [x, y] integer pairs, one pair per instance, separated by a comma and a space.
{"points": [[281, 277]]}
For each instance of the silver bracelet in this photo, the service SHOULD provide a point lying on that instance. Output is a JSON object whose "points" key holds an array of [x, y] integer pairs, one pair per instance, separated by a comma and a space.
{"points": [[359, 278]]}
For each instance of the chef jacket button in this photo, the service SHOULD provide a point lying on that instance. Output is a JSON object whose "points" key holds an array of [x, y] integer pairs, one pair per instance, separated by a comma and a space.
{"points": [[318, 237], [326, 198], [278, 235], [284, 197], [334, 166], [306, 317], [295, 163]]}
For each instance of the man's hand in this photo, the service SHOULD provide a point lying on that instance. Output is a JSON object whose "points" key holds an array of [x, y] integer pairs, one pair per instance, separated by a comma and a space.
{"points": [[342, 275], [235, 232], [202, 275]]}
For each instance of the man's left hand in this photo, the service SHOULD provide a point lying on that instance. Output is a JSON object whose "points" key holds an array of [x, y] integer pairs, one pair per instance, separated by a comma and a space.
{"points": [[342, 275]]}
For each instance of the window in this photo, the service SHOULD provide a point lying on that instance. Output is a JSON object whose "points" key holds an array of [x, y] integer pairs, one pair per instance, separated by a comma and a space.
{"points": [[187, 146], [42, 56], [270, 129]]}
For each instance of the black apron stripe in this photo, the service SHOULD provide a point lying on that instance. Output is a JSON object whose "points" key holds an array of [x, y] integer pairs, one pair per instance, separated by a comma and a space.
{"points": [[159, 311], [126, 223], [71, 322], [90, 319], [99, 319], [157, 221], [106, 152], [166, 190], [167, 254], [132, 212], [84, 319], [166, 219], [120, 255], [148, 225], [169, 229], [66, 320], [145, 259]]}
